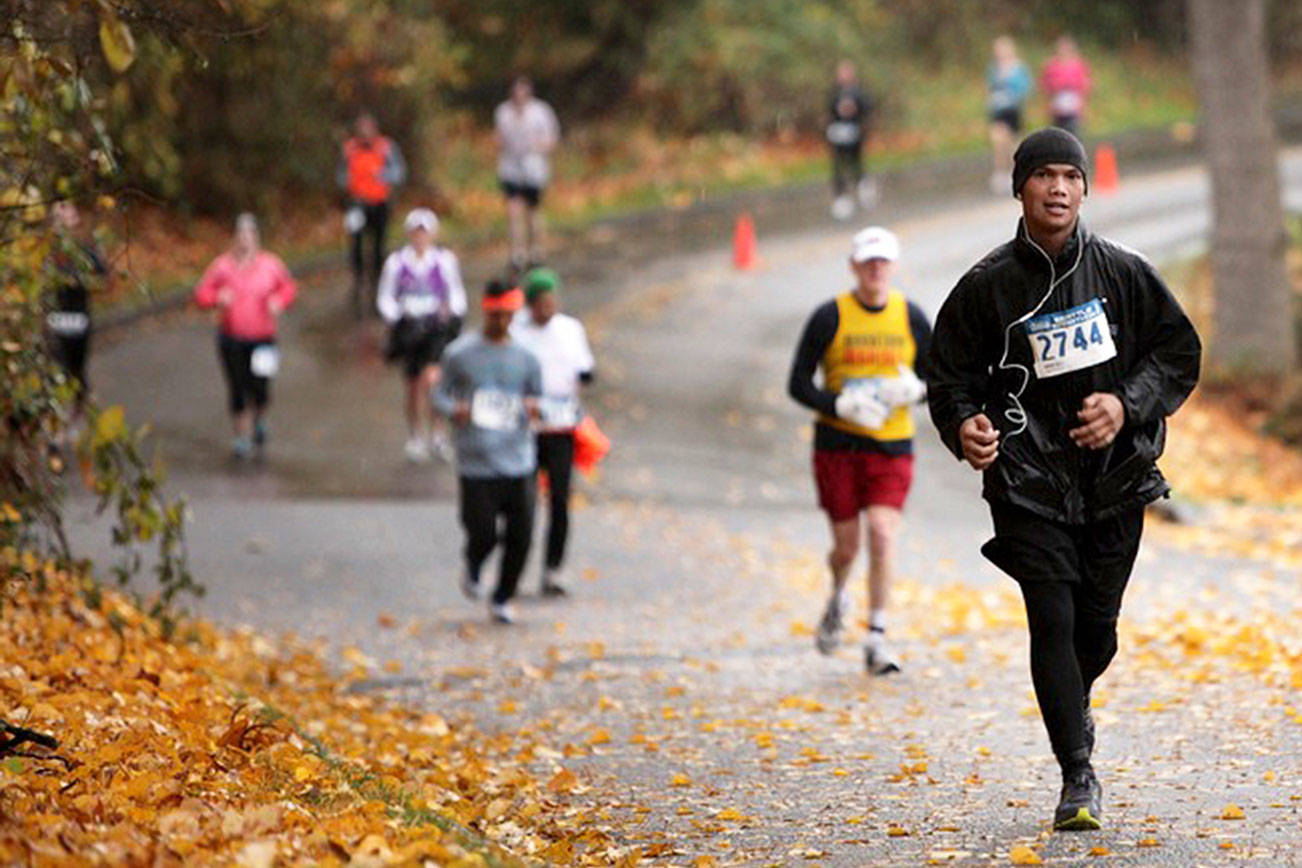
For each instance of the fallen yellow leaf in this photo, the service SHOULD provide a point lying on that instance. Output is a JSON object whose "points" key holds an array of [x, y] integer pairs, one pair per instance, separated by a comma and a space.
{"points": [[1232, 812], [1024, 855]]}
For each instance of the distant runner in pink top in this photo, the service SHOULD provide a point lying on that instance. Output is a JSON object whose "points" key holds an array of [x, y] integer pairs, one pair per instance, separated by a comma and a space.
{"points": [[1066, 84], [251, 287]]}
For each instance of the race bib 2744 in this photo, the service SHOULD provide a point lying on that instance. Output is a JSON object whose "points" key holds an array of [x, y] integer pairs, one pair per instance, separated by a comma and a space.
{"points": [[1070, 340]]}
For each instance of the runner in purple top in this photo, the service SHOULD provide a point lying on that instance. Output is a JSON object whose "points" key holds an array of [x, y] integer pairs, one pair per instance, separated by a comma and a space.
{"points": [[422, 299]]}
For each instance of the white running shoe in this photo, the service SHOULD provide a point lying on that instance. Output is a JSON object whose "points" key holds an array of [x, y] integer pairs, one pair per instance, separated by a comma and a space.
{"points": [[551, 583], [470, 585], [842, 208], [441, 448], [416, 450], [501, 613], [877, 656], [830, 625]]}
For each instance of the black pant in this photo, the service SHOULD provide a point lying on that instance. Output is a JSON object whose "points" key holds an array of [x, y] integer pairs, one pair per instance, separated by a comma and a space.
{"points": [[70, 351], [556, 456], [483, 503], [1070, 123], [1072, 579], [244, 386], [377, 224], [847, 168]]}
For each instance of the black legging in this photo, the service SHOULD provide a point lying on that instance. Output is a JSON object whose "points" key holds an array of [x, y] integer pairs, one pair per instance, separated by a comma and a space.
{"points": [[377, 224], [1072, 579], [245, 387], [556, 457], [847, 168], [1073, 639], [483, 503]]}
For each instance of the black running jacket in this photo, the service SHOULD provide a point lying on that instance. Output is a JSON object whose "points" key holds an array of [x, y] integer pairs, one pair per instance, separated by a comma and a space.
{"points": [[1025, 338]]}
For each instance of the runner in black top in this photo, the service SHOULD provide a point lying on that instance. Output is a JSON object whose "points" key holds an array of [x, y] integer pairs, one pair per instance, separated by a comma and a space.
{"points": [[1055, 363], [76, 266], [849, 113]]}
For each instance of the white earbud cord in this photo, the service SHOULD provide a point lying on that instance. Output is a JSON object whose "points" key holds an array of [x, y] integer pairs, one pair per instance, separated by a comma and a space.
{"points": [[1016, 414]]}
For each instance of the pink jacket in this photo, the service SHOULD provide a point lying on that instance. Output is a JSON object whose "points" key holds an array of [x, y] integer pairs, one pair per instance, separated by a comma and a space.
{"points": [[1066, 83], [246, 293]]}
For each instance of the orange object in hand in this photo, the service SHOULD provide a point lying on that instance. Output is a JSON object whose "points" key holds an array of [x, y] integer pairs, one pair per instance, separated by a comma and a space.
{"points": [[590, 445]]}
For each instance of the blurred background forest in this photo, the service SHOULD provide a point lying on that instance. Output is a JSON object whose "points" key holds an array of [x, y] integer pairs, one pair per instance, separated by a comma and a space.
{"points": [[657, 98]]}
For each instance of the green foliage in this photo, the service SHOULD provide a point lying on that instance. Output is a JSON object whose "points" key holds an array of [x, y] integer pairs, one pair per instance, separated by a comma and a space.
{"points": [[56, 146]]}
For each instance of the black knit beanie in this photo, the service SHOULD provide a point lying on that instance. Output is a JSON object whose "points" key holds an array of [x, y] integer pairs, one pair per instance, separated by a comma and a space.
{"points": [[1042, 147]]}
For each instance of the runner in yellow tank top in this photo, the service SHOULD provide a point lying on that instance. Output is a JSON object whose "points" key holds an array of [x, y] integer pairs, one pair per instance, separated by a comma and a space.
{"points": [[868, 344]]}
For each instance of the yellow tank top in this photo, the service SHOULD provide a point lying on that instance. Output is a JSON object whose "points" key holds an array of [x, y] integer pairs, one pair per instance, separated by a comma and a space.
{"points": [[870, 344]]}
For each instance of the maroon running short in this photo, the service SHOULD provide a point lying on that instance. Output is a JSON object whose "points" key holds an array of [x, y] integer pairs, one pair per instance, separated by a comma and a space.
{"points": [[849, 482]]}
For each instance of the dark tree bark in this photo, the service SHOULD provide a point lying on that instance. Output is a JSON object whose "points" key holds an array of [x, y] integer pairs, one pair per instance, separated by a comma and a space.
{"points": [[1254, 330]]}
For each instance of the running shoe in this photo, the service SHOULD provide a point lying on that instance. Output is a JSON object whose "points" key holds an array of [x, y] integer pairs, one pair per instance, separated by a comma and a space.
{"points": [[877, 656], [440, 447], [842, 208], [259, 433], [830, 625], [241, 447], [501, 613], [1080, 805], [551, 586], [416, 450], [470, 585]]}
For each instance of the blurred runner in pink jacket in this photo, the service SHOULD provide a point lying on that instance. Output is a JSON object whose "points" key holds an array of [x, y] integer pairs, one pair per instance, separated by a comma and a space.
{"points": [[251, 287], [1066, 84]]}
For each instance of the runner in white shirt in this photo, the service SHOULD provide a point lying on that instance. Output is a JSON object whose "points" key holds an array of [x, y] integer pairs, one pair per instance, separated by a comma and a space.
{"points": [[561, 345], [423, 300], [527, 132]]}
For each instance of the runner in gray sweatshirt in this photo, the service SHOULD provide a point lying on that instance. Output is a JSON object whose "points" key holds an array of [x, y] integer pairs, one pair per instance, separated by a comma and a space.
{"points": [[489, 390]]}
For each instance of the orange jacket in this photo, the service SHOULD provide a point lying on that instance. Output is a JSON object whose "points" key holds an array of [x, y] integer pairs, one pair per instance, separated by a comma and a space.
{"points": [[370, 170]]}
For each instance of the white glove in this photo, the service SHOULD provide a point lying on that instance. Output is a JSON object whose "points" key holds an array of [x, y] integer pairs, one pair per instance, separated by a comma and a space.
{"points": [[903, 389], [862, 407]]}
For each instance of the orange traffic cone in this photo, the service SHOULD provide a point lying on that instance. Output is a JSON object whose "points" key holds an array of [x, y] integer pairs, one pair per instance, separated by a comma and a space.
{"points": [[744, 257], [1106, 178]]}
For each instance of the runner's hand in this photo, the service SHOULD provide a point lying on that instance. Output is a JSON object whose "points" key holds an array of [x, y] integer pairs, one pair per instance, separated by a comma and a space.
{"points": [[533, 409], [903, 389], [980, 441], [862, 408], [1102, 415], [461, 413]]}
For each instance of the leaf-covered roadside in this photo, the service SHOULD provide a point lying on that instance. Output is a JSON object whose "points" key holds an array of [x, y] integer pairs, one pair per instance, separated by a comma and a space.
{"points": [[222, 746]]}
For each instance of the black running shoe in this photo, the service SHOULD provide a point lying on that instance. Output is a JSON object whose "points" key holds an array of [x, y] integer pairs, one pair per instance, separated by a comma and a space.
{"points": [[1080, 806]]}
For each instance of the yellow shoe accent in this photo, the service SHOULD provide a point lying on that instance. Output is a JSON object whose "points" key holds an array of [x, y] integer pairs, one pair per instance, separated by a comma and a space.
{"points": [[1082, 821]]}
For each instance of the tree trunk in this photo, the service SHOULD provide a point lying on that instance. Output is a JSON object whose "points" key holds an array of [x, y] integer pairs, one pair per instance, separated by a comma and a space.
{"points": [[1253, 322]]}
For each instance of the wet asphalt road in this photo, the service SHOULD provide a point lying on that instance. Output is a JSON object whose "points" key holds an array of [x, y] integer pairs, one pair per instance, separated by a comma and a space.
{"points": [[696, 574]]}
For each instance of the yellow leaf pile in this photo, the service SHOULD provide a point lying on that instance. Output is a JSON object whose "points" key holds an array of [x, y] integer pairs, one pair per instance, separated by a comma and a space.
{"points": [[220, 746], [1251, 484]]}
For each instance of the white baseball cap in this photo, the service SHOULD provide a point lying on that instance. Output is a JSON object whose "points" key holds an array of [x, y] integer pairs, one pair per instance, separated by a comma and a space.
{"points": [[421, 218], [875, 242]]}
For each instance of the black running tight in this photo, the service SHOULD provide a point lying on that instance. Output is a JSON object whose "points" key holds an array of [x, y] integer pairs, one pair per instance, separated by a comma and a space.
{"points": [[1072, 579], [1071, 646]]}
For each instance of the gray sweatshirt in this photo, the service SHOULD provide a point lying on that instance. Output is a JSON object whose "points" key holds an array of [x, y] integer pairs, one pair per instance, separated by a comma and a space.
{"points": [[495, 379]]}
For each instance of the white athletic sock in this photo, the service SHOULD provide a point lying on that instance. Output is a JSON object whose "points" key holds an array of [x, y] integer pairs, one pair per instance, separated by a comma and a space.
{"points": [[877, 621]]}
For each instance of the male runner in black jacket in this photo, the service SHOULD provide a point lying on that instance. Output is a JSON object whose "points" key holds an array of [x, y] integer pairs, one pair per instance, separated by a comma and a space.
{"points": [[1054, 363]]}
